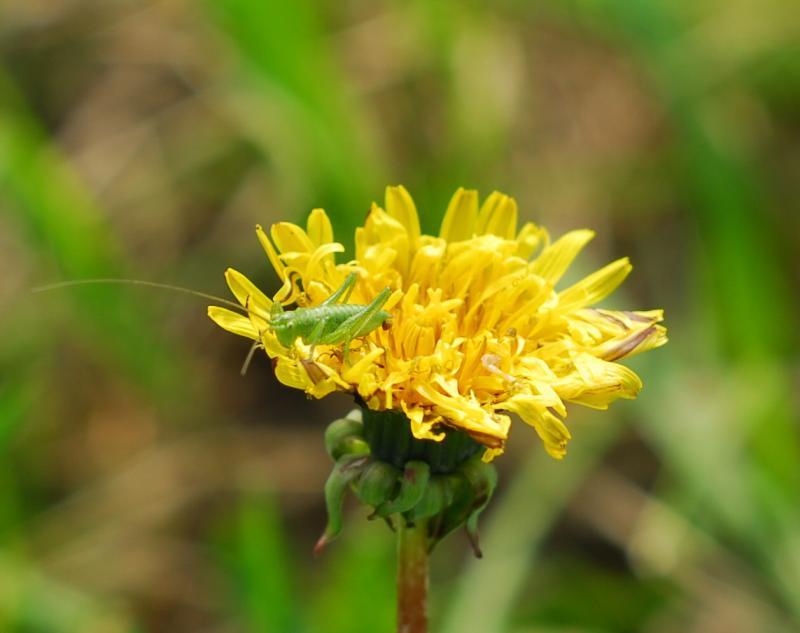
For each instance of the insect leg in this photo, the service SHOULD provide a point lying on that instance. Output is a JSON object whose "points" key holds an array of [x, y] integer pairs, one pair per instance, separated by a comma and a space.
{"points": [[316, 333], [359, 321], [249, 357], [352, 284], [257, 344], [346, 287], [351, 327]]}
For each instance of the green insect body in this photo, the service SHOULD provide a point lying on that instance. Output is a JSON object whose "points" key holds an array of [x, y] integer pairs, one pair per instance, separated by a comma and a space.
{"points": [[330, 323]]}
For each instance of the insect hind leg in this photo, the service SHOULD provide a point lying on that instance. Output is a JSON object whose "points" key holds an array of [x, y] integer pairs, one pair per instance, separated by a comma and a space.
{"points": [[316, 334], [352, 326], [345, 289]]}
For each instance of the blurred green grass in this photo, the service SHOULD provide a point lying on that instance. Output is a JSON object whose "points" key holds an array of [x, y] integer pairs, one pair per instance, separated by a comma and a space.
{"points": [[671, 128]]}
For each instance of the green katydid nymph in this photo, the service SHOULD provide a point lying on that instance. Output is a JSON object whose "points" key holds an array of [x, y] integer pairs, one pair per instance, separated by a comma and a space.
{"points": [[331, 322]]}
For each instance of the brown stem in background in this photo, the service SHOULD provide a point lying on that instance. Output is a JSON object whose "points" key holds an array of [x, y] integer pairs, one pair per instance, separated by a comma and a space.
{"points": [[412, 578]]}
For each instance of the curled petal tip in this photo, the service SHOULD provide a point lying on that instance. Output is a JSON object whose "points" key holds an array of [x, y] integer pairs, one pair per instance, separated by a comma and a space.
{"points": [[320, 545], [474, 540]]}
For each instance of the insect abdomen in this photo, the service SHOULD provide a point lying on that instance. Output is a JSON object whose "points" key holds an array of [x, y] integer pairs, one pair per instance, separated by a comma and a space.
{"points": [[334, 315], [300, 323]]}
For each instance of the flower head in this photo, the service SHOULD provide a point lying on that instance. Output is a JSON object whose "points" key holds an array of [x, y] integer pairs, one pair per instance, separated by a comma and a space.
{"points": [[477, 327]]}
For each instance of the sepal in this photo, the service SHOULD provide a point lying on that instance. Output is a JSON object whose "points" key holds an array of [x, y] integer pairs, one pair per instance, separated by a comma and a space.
{"points": [[438, 496], [347, 468], [345, 436], [443, 485], [412, 487], [377, 483], [482, 479]]}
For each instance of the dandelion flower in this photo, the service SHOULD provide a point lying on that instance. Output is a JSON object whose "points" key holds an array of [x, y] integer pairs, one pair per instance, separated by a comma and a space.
{"points": [[480, 326]]}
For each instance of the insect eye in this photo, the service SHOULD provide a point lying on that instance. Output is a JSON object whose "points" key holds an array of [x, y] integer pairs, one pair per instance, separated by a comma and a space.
{"points": [[386, 324]]}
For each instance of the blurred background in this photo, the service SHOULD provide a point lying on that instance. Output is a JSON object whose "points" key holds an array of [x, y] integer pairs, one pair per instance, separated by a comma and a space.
{"points": [[145, 486]]}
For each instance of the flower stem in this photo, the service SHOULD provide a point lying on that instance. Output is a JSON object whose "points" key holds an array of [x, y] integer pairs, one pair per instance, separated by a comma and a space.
{"points": [[412, 578]]}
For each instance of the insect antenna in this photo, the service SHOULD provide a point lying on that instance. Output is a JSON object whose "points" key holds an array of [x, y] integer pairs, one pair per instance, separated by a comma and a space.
{"points": [[137, 282], [154, 284]]}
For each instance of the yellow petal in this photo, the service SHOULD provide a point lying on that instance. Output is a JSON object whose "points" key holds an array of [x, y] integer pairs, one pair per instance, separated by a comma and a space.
{"points": [[636, 343], [490, 453], [426, 263], [556, 258], [247, 293], [321, 389], [289, 292], [498, 216], [610, 328], [277, 264], [319, 228], [387, 234], [645, 316], [322, 260], [298, 261], [393, 300], [271, 345], [549, 427], [462, 214], [292, 374], [355, 373], [530, 239], [421, 428], [400, 206], [596, 286], [554, 435], [596, 383], [290, 238], [464, 412], [232, 322], [322, 379]]}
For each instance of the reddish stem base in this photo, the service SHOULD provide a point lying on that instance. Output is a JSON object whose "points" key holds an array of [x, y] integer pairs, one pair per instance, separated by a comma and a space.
{"points": [[412, 578]]}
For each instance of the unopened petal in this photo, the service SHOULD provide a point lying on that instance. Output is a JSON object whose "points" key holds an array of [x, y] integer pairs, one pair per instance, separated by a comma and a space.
{"points": [[530, 239], [498, 216], [319, 228], [461, 215], [400, 206]]}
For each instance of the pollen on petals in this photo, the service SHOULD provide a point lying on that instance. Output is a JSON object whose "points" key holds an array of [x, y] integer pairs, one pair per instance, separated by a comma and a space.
{"points": [[478, 328]]}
